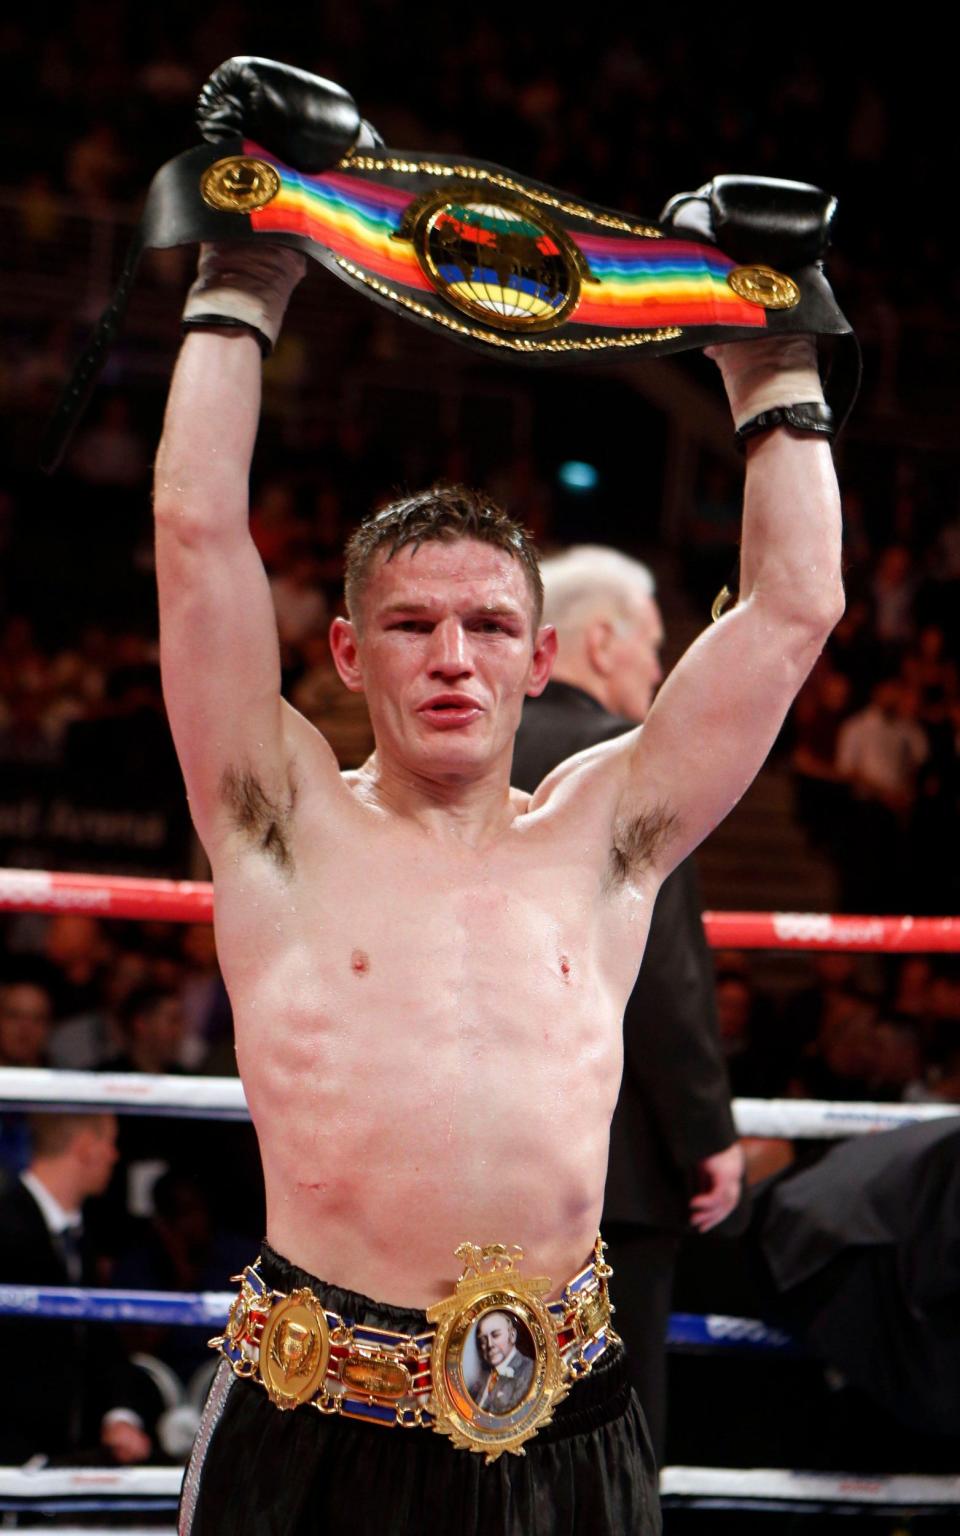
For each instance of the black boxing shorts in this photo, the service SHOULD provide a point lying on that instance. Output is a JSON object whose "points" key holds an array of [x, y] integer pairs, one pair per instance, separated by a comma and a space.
{"points": [[257, 1471]]}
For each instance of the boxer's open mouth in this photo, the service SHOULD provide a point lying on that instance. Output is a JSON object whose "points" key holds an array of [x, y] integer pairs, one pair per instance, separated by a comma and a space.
{"points": [[450, 709]]}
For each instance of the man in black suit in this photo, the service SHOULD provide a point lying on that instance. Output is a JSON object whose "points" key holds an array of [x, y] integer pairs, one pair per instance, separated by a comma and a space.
{"points": [[74, 1394], [674, 1158]]}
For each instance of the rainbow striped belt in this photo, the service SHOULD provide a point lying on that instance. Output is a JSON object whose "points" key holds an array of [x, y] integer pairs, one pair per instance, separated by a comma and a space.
{"points": [[501, 263]]}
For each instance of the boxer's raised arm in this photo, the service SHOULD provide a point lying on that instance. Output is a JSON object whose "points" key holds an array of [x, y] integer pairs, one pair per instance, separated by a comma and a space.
{"points": [[720, 711], [218, 638]]}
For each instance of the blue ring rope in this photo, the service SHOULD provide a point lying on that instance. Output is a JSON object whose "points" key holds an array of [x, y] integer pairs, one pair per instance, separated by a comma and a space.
{"points": [[208, 1309]]}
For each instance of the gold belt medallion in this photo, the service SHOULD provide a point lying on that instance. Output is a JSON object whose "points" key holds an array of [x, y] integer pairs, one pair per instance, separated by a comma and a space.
{"points": [[238, 184], [764, 286], [496, 1366], [294, 1350]]}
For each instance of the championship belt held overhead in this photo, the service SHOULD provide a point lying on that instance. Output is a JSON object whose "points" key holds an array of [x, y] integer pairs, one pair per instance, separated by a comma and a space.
{"points": [[493, 259]]}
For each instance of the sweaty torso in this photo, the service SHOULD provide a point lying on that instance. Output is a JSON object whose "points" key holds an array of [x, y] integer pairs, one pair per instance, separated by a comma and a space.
{"points": [[429, 1035]]}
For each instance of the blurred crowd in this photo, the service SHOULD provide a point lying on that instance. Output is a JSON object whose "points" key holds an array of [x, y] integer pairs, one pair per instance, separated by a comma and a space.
{"points": [[621, 118], [850, 1028]]}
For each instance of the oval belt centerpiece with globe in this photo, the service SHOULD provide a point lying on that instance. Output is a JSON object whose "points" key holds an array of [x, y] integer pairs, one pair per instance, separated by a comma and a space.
{"points": [[500, 261]]}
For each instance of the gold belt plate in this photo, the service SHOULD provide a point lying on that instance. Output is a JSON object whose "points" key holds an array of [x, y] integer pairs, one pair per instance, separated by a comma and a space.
{"points": [[496, 1367], [294, 1350]]}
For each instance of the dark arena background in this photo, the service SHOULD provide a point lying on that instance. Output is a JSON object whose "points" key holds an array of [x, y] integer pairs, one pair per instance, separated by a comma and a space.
{"points": [[770, 1427]]}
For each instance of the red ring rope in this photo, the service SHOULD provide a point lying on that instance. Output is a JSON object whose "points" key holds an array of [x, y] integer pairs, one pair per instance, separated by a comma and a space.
{"points": [[191, 901]]}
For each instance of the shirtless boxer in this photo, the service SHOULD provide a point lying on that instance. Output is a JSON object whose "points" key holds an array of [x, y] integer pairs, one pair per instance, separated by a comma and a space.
{"points": [[390, 938]]}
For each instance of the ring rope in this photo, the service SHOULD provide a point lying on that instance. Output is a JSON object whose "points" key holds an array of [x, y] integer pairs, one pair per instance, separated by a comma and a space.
{"points": [[222, 1098], [191, 901], [65, 1482], [899, 1490], [104, 1530], [209, 1309], [180, 1309], [746, 1485]]}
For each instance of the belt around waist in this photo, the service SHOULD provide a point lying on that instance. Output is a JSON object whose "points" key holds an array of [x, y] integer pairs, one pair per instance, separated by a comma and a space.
{"points": [[489, 1372]]}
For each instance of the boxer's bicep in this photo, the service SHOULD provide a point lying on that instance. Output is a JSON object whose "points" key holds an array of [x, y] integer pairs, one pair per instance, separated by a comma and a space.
{"points": [[712, 726]]}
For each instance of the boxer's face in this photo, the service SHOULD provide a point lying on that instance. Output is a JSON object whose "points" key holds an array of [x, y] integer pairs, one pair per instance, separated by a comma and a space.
{"points": [[445, 656]]}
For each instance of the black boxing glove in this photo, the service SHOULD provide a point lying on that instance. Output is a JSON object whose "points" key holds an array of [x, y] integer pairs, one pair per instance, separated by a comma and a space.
{"points": [[758, 219], [305, 121]]}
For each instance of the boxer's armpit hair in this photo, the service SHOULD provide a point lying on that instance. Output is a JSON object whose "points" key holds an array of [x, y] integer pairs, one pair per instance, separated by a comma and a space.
{"points": [[637, 840], [265, 821]]}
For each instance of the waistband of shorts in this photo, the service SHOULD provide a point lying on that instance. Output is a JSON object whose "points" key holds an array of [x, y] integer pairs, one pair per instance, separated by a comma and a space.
{"points": [[282, 1275]]}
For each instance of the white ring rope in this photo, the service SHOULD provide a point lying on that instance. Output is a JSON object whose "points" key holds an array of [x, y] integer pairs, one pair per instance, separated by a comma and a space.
{"points": [[815, 1487], [62, 1482], [223, 1098], [688, 1482]]}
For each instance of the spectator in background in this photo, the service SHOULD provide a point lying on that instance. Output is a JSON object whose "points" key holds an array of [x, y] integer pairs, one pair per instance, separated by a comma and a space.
{"points": [[298, 600], [910, 994], [928, 669], [740, 1039], [897, 1066], [87, 1040], [893, 588], [77, 949], [96, 166], [25, 739], [152, 1024], [110, 452], [22, 663], [76, 1395], [208, 1024], [852, 648], [26, 1015], [943, 1022], [178, 1248], [842, 1061], [273, 523], [932, 675], [879, 753], [818, 714]]}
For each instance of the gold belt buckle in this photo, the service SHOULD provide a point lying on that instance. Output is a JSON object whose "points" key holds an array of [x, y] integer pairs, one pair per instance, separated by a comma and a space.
{"points": [[496, 1366]]}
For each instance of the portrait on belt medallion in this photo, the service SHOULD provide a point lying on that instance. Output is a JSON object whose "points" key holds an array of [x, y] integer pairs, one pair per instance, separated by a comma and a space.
{"points": [[505, 1356]]}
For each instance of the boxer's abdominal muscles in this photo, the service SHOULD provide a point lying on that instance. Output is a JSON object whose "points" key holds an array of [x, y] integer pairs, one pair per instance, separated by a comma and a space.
{"points": [[441, 1066]]}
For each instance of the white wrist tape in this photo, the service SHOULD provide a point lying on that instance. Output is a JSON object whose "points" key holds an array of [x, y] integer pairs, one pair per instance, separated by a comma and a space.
{"points": [[244, 283], [760, 375]]}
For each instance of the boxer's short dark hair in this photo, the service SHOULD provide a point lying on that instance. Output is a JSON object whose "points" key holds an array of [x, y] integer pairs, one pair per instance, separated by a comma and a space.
{"points": [[440, 515]]}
